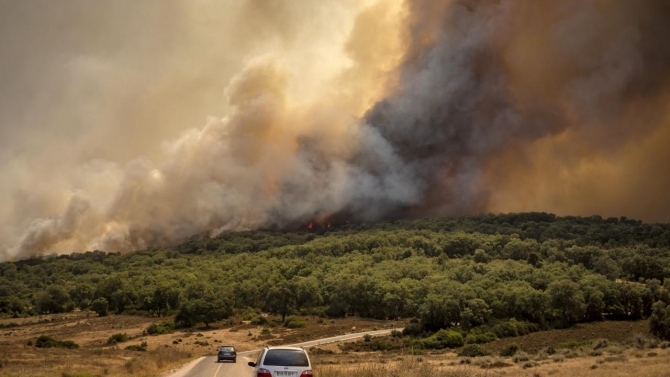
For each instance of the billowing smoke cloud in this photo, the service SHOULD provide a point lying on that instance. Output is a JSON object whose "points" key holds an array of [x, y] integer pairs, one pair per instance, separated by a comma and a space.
{"points": [[352, 110]]}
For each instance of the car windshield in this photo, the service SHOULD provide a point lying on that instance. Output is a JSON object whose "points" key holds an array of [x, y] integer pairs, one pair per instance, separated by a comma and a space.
{"points": [[286, 358], [227, 349]]}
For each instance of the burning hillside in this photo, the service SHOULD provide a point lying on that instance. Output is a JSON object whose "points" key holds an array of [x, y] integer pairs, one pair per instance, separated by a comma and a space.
{"points": [[370, 110]]}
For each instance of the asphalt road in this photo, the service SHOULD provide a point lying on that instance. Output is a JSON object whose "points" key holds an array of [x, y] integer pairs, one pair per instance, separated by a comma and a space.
{"points": [[208, 367]]}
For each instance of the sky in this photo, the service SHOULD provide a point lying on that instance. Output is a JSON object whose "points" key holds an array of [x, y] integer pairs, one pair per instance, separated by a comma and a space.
{"points": [[127, 124]]}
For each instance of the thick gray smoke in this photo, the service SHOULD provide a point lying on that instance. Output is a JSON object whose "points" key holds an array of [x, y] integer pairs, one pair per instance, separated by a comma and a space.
{"points": [[483, 80], [427, 108]]}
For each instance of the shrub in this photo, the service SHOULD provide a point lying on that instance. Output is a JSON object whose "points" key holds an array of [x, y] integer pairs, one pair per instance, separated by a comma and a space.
{"points": [[117, 338], [413, 329], [68, 344], [509, 351], [266, 331], [599, 344], [45, 341], [367, 338], [473, 350], [294, 323], [520, 357], [164, 327], [259, 320], [532, 364], [573, 344], [513, 328], [480, 338], [396, 333], [136, 347], [443, 339]]}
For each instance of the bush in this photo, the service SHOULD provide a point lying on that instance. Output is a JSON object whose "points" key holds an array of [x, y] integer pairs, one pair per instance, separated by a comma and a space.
{"points": [[473, 350], [294, 323], [367, 338], [45, 341], [413, 329], [266, 331], [117, 338], [164, 327], [68, 344], [259, 320], [573, 344], [396, 333], [513, 328], [443, 339], [509, 351], [520, 357], [480, 338], [136, 347]]}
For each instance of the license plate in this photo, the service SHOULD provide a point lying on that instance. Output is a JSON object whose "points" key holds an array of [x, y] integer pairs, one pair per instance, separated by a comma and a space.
{"points": [[226, 354], [286, 374]]}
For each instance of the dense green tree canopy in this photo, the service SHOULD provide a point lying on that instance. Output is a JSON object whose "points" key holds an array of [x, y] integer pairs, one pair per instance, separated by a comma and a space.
{"points": [[467, 272]]}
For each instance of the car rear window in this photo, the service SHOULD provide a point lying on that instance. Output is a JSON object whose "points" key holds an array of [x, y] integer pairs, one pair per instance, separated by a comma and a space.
{"points": [[287, 358], [227, 349]]}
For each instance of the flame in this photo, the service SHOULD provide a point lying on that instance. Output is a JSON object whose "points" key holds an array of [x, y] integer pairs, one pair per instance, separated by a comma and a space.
{"points": [[310, 225]]}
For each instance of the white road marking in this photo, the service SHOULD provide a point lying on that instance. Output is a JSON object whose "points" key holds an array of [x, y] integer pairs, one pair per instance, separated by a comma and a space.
{"points": [[217, 370]]}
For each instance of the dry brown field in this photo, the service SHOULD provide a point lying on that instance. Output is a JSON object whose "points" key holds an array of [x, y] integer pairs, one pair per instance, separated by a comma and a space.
{"points": [[95, 357], [629, 352]]}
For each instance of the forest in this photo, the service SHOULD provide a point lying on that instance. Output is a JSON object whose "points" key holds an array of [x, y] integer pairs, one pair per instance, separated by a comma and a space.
{"points": [[487, 275]]}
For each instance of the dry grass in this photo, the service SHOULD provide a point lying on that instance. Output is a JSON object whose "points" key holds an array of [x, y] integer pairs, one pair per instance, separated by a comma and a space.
{"points": [[410, 368], [93, 363], [95, 357], [621, 363]]}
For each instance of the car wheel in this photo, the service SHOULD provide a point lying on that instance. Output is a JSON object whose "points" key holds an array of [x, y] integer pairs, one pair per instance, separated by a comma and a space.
{"points": [[235, 360]]}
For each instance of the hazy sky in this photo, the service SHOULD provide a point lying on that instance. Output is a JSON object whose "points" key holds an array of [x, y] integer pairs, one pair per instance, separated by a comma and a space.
{"points": [[130, 123]]}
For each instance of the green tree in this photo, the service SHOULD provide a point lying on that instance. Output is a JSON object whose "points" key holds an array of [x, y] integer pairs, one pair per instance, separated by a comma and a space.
{"points": [[281, 299], [205, 311], [439, 312], [54, 299], [100, 306], [659, 322], [567, 300]]}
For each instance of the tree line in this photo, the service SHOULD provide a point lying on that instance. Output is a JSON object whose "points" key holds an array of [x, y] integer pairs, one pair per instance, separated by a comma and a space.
{"points": [[469, 272]]}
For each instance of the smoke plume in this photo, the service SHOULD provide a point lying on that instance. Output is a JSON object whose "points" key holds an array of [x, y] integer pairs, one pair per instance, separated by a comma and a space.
{"points": [[331, 110]]}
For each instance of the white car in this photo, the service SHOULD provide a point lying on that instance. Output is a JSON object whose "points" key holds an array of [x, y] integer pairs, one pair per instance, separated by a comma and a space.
{"points": [[282, 362]]}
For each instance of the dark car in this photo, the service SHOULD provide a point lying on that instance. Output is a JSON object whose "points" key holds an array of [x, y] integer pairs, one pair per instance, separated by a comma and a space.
{"points": [[227, 353]]}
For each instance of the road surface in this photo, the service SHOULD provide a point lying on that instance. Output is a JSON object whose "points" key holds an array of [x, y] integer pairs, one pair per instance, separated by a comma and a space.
{"points": [[208, 367]]}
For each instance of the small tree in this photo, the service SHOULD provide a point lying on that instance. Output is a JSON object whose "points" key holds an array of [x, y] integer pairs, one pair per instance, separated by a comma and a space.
{"points": [[100, 306]]}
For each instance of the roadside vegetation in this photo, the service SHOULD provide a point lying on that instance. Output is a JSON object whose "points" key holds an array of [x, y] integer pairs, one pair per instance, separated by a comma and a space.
{"points": [[477, 278]]}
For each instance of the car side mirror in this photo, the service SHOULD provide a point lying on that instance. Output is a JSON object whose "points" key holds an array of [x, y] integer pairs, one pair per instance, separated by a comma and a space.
{"points": [[251, 364]]}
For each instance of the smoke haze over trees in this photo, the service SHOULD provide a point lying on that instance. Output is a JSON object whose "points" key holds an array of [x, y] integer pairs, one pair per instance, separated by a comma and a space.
{"points": [[332, 111]]}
